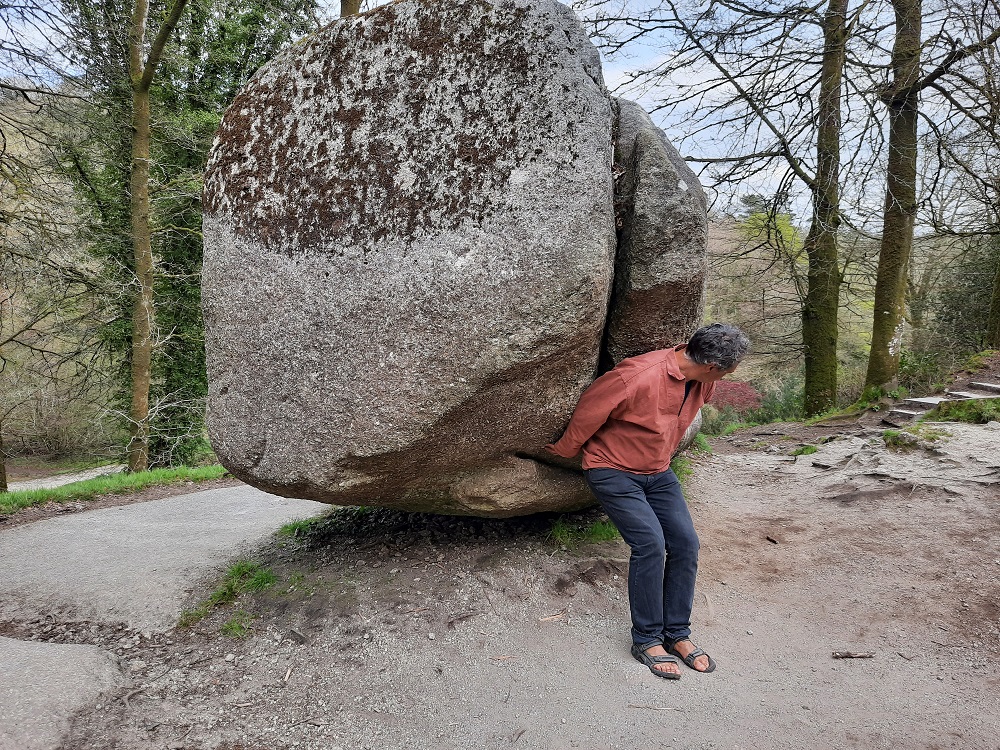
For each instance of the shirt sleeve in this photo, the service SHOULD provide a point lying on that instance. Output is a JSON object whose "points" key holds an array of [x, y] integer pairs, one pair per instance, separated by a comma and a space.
{"points": [[596, 405]]}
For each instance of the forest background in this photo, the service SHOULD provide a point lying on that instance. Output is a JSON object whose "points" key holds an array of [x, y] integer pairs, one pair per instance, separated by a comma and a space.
{"points": [[851, 151]]}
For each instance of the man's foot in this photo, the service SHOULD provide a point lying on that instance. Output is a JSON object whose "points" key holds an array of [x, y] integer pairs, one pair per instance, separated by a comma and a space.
{"points": [[659, 662], [693, 656]]}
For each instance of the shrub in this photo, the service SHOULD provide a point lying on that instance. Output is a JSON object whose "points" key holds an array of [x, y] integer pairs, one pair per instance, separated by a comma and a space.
{"points": [[736, 396]]}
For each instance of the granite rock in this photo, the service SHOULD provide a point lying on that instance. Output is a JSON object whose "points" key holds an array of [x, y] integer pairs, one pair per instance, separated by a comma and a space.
{"points": [[661, 264], [409, 252]]}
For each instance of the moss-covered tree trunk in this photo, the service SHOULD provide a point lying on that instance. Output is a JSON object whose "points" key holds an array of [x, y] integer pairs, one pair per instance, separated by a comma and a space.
{"points": [[819, 311], [143, 324], [900, 208]]}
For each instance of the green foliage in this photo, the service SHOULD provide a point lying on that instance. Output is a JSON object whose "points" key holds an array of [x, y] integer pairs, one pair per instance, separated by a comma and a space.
{"points": [[565, 533], [979, 360], [898, 440], [701, 445], [300, 527], [114, 483], [244, 576], [927, 432], [804, 450], [962, 304], [683, 469], [973, 411], [922, 372], [216, 47], [780, 401], [237, 626]]}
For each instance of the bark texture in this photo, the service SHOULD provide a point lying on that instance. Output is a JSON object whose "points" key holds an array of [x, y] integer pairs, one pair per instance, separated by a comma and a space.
{"points": [[141, 73], [819, 311], [902, 99]]}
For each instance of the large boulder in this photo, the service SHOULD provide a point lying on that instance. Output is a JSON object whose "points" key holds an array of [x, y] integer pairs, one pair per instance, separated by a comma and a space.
{"points": [[409, 251], [661, 265]]}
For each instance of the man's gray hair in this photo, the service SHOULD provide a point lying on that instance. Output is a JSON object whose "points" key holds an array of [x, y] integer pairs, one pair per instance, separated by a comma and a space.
{"points": [[718, 344]]}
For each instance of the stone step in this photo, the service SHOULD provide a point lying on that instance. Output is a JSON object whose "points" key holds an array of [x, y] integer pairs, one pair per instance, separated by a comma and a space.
{"points": [[924, 403], [991, 387], [899, 417], [971, 395]]}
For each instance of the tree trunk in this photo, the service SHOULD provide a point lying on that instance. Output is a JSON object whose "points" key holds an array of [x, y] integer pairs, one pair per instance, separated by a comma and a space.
{"points": [[819, 310], [143, 328], [142, 307], [3, 464], [900, 200], [349, 8]]}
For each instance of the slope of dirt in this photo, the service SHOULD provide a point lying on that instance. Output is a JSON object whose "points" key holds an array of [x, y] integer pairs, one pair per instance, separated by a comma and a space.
{"points": [[390, 631]]}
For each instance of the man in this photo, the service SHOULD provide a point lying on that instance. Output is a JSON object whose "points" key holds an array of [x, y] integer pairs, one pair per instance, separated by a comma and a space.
{"points": [[629, 423]]}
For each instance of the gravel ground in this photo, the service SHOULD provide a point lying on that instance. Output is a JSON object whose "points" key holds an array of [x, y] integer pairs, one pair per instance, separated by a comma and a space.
{"points": [[392, 631]]}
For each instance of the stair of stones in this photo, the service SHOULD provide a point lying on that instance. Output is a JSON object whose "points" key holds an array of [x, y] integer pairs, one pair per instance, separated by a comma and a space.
{"points": [[908, 409]]}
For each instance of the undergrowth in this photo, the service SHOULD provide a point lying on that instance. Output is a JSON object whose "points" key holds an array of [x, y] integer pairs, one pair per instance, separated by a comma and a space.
{"points": [[565, 533], [242, 577]]}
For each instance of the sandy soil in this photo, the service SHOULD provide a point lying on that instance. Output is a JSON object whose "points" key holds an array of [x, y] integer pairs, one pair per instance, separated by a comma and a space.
{"points": [[394, 631]]}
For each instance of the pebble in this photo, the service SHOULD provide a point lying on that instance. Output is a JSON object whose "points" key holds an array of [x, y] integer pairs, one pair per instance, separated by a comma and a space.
{"points": [[230, 657], [430, 636], [749, 632]]}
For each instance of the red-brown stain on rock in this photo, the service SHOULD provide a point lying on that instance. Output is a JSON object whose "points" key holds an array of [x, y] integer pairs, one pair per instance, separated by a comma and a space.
{"points": [[406, 127]]}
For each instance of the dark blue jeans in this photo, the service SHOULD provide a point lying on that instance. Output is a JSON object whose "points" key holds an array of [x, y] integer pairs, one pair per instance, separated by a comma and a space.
{"points": [[652, 516]]}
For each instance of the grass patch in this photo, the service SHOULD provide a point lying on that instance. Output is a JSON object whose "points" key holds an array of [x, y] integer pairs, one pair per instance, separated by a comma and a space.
{"points": [[112, 484], [804, 450], [899, 440], [683, 469], [729, 429], [980, 360], [237, 626], [701, 445], [972, 411], [854, 410], [567, 534], [242, 577], [301, 527], [926, 432]]}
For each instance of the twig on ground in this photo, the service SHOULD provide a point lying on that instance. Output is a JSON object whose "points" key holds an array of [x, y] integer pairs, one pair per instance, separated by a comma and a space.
{"points": [[653, 708], [550, 618], [853, 654], [132, 694], [460, 616]]}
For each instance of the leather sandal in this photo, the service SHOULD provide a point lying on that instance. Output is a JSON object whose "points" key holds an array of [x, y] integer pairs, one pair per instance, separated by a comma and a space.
{"points": [[651, 661], [690, 658]]}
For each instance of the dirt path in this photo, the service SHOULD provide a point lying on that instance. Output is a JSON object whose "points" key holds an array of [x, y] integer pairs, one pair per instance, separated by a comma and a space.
{"points": [[393, 632]]}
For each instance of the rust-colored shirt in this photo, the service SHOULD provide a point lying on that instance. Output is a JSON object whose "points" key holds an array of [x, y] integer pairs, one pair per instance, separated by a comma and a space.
{"points": [[633, 417]]}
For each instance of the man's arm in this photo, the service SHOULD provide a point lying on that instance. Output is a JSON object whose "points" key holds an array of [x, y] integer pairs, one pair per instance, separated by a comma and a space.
{"points": [[596, 405]]}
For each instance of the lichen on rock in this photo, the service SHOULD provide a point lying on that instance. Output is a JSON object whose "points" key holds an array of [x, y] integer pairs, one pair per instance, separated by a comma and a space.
{"points": [[409, 253]]}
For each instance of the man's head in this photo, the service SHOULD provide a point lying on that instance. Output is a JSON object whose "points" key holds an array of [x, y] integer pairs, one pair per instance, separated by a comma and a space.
{"points": [[715, 350]]}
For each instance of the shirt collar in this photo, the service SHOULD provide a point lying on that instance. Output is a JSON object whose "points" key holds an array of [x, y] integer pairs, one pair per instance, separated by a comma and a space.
{"points": [[673, 369]]}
